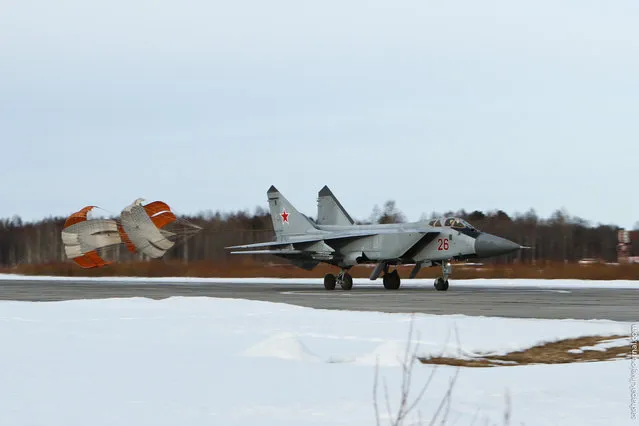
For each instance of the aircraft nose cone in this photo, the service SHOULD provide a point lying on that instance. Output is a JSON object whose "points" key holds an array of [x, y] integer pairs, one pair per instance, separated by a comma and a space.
{"points": [[487, 245]]}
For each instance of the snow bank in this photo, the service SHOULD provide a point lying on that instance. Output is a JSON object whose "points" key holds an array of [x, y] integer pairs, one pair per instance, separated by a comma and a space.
{"points": [[283, 346], [203, 361]]}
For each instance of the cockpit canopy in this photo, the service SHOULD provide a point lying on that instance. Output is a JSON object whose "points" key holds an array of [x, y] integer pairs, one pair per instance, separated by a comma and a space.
{"points": [[452, 222]]}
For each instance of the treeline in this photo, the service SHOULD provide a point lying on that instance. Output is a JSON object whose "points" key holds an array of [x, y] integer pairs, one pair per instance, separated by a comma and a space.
{"points": [[560, 238]]}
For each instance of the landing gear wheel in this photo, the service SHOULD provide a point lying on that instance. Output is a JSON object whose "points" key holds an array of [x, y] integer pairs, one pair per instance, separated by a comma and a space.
{"points": [[441, 284], [329, 281], [391, 280], [346, 282]]}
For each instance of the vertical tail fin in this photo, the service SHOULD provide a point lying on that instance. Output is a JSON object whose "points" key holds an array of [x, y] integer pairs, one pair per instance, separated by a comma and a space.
{"points": [[287, 221], [330, 211]]}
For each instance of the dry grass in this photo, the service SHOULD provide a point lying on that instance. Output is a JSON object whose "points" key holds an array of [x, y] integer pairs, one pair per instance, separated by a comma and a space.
{"points": [[239, 266], [545, 353]]}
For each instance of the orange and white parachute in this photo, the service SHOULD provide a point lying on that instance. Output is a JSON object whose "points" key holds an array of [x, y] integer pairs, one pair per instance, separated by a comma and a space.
{"points": [[152, 229], [83, 238], [147, 229]]}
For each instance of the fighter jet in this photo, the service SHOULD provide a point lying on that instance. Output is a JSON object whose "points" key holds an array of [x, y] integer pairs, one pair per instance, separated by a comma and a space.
{"points": [[335, 239]]}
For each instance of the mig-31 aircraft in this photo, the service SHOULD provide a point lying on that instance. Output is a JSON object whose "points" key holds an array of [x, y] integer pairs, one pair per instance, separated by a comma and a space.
{"points": [[335, 239]]}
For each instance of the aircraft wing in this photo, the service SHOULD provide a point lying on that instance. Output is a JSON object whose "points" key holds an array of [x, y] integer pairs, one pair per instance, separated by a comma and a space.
{"points": [[313, 239], [267, 252], [289, 247], [271, 244], [332, 236]]}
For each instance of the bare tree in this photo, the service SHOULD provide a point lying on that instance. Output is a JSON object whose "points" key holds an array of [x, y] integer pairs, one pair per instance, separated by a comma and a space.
{"points": [[408, 404], [391, 214]]}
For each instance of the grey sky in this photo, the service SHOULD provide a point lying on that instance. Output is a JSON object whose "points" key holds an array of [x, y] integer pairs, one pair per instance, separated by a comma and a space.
{"points": [[437, 105]]}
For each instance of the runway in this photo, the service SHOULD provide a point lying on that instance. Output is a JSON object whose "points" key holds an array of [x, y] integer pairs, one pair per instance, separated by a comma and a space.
{"points": [[480, 299]]}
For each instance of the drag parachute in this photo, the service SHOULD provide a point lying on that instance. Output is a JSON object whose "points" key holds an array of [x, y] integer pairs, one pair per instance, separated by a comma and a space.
{"points": [[83, 238], [148, 229], [141, 228]]}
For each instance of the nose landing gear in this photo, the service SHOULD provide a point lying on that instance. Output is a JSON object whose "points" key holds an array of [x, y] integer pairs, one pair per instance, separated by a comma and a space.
{"points": [[345, 280]]}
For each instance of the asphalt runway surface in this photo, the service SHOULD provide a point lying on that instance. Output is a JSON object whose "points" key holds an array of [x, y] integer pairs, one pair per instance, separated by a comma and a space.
{"points": [[577, 303]]}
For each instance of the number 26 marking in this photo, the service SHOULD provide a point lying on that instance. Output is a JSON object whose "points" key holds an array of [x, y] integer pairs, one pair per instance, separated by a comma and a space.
{"points": [[443, 244]]}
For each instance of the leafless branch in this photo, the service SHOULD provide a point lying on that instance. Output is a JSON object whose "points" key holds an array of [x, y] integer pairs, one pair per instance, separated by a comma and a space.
{"points": [[407, 404], [375, 392], [388, 407], [475, 417], [445, 400], [507, 411]]}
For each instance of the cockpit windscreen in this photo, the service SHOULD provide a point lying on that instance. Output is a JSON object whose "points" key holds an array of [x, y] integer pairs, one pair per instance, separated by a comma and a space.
{"points": [[453, 222]]}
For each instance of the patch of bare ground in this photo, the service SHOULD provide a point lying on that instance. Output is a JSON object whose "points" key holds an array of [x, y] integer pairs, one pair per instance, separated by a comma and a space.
{"points": [[558, 352]]}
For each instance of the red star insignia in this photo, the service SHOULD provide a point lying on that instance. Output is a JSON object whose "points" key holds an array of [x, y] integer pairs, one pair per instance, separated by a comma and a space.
{"points": [[284, 216]]}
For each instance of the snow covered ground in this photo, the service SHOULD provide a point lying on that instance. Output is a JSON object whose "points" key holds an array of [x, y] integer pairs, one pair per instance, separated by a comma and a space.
{"points": [[205, 361], [512, 283]]}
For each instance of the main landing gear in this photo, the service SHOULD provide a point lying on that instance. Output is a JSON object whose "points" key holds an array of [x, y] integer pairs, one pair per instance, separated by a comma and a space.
{"points": [[344, 279], [391, 279], [441, 283]]}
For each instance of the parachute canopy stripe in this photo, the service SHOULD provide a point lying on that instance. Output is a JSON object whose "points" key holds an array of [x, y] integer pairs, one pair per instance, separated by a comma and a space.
{"points": [[156, 207], [90, 260], [79, 216], [163, 219], [125, 239], [160, 213]]}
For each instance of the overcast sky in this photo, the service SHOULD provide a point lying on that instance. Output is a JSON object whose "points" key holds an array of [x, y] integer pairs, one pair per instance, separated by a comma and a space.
{"points": [[437, 105]]}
